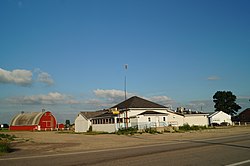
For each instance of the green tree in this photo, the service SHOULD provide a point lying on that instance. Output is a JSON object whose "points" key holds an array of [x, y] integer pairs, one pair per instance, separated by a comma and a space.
{"points": [[67, 123], [225, 101]]}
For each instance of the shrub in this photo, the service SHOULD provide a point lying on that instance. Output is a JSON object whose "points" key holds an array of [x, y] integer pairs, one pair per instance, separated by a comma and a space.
{"points": [[5, 140], [187, 127], [7, 137], [127, 131], [4, 147], [151, 130]]}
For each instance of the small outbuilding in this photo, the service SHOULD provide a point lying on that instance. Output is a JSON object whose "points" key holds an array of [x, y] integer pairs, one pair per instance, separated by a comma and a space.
{"points": [[219, 117], [83, 120], [34, 121]]}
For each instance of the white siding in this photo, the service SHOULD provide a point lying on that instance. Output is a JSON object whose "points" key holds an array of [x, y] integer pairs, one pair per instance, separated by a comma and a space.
{"points": [[196, 119], [110, 128], [175, 119], [81, 124], [220, 117]]}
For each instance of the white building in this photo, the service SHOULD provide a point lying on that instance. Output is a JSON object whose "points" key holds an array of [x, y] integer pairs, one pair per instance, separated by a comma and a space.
{"points": [[219, 117], [83, 120], [136, 112]]}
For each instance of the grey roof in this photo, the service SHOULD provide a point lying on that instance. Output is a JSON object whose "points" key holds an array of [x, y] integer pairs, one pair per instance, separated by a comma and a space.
{"points": [[137, 102], [105, 115], [25, 119], [89, 115]]}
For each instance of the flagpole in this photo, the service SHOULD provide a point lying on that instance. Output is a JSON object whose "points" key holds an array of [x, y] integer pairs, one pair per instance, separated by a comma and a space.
{"points": [[125, 82], [125, 94]]}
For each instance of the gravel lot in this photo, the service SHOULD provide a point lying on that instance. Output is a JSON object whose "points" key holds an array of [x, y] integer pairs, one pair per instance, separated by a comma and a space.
{"points": [[58, 142]]}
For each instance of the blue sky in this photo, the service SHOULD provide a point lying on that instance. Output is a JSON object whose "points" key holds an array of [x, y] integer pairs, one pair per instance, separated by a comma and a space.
{"points": [[68, 56]]}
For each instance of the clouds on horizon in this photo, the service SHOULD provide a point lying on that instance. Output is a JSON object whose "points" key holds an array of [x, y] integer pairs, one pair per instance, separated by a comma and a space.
{"points": [[50, 98], [106, 98], [67, 106], [22, 77]]}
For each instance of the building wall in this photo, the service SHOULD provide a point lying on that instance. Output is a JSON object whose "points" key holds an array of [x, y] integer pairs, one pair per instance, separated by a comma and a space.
{"points": [[47, 121], [81, 124], [24, 128], [147, 121], [41, 121], [245, 115], [221, 117], [196, 120], [110, 128], [175, 119]]}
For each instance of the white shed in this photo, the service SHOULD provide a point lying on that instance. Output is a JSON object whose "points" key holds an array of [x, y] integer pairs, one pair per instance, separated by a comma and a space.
{"points": [[83, 120], [219, 117]]}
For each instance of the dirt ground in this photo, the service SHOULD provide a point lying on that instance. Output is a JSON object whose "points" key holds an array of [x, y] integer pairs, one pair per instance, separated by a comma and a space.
{"points": [[57, 142]]}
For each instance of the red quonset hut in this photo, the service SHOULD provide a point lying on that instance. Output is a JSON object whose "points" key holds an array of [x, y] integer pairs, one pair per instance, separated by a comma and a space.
{"points": [[34, 121]]}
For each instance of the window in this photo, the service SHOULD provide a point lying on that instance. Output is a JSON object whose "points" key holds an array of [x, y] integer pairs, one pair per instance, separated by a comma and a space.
{"points": [[119, 120], [164, 119], [149, 119]]}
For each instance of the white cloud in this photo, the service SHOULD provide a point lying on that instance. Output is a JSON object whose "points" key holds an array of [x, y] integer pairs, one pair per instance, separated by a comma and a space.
{"points": [[163, 100], [18, 77], [24, 77], [201, 105], [50, 98], [213, 78], [45, 78], [112, 97], [111, 94], [107, 98], [244, 97]]}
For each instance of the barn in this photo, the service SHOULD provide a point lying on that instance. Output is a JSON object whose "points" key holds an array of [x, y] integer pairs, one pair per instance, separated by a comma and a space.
{"points": [[31, 121]]}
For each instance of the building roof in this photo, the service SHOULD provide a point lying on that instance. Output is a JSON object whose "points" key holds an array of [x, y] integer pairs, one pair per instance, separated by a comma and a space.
{"points": [[246, 111], [215, 113], [105, 115], [89, 115], [137, 102], [152, 113], [25, 119]]}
